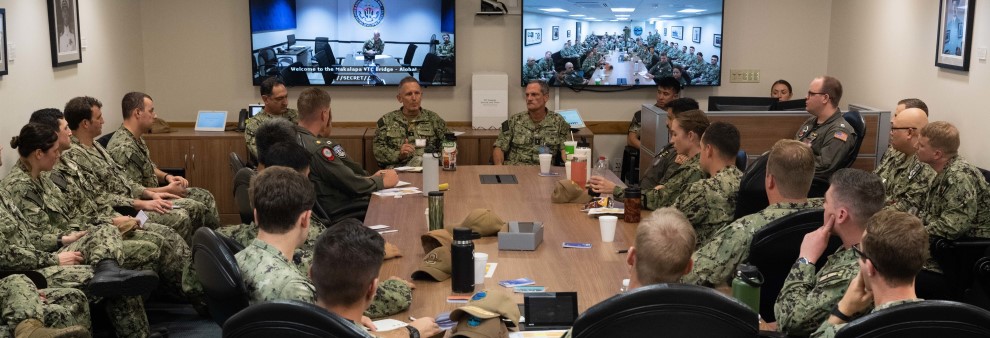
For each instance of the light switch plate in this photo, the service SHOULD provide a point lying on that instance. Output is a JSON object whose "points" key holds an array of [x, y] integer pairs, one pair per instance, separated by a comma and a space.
{"points": [[744, 75], [981, 53]]}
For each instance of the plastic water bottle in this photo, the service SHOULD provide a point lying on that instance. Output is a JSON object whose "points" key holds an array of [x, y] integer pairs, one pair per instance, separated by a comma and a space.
{"points": [[601, 167]]}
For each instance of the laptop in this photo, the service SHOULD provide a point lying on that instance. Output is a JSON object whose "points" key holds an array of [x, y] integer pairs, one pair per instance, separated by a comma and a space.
{"points": [[209, 120], [572, 117], [550, 310]]}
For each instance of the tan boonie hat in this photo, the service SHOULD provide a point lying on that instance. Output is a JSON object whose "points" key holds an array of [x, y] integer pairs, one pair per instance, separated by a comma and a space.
{"points": [[474, 327], [566, 191], [483, 221], [489, 304], [436, 265], [435, 239]]}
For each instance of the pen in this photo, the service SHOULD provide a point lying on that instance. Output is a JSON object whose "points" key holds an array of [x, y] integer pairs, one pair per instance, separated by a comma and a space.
{"points": [[622, 251]]}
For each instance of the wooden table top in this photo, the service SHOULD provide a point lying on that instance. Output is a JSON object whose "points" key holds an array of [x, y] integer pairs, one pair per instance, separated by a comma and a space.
{"points": [[595, 273]]}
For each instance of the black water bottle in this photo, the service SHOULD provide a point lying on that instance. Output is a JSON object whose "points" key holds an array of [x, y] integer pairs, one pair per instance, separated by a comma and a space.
{"points": [[462, 262]]}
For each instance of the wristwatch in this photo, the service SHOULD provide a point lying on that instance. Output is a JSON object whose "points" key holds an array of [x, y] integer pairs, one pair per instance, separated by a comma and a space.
{"points": [[804, 260], [413, 332]]}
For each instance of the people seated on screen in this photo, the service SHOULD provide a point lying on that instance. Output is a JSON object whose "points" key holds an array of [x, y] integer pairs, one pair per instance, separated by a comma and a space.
{"points": [[395, 142], [808, 296], [662, 250], [374, 46], [276, 98], [661, 69], [445, 50], [679, 75], [546, 65], [708, 73], [591, 62], [781, 89], [569, 77], [890, 255], [531, 70], [790, 169], [526, 135], [905, 178], [345, 271], [826, 131]]}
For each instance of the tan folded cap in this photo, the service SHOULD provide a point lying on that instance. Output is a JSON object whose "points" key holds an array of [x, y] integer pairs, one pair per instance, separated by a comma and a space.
{"points": [[484, 222], [489, 304], [566, 191], [436, 265], [435, 239], [474, 327]]}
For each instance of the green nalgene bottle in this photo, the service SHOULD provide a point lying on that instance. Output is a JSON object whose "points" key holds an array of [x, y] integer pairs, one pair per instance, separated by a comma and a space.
{"points": [[746, 286]]}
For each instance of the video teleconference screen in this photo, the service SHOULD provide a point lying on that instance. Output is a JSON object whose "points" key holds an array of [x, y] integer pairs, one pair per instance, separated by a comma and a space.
{"points": [[353, 42], [622, 42]]}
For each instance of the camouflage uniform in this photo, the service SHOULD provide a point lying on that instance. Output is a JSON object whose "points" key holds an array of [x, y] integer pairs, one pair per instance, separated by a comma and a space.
{"points": [[531, 72], [806, 298], [572, 79], [590, 64], [957, 204], [521, 137], [662, 70], [252, 124], [132, 153], [715, 262], [269, 276], [246, 233], [828, 330], [545, 65], [906, 180], [338, 180], [831, 142], [20, 300], [31, 248], [100, 171], [636, 124], [664, 165], [677, 181], [710, 203], [709, 74], [375, 45], [394, 129], [445, 49]]}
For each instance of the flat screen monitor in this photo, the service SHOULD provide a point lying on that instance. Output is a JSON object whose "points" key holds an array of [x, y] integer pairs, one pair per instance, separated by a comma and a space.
{"points": [[609, 43], [572, 117], [255, 109], [792, 105], [741, 103], [211, 120], [414, 38]]}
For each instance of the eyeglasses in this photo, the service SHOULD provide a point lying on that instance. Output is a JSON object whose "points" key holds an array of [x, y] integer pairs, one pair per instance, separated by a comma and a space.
{"points": [[810, 93], [859, 252]]}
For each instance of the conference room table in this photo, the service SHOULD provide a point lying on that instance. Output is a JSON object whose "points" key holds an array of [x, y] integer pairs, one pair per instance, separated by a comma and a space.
{"points": [[629, 68], [595, 273]]}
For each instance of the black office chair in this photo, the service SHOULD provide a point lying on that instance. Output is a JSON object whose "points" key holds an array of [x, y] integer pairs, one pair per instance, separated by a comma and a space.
{"points": [[355, 209], [269, 63], [407, 60], [235, 162], [776, 246], [242, 182], [324, 61], [294, 78], [818, 187], [322, 43], [217, 271], [752, 193], [431, 65], [670, 310], [986, 174], [630, 165], [964, 262], [932, 318], [289, 319], [856, 121], [105, 139], [741, 159]]}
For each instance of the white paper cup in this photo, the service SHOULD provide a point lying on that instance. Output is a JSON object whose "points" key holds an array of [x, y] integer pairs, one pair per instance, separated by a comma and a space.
{"points": [[567, 169], [480, 260], [545, 163], [420, 143], [607, 224], [569, 147]]}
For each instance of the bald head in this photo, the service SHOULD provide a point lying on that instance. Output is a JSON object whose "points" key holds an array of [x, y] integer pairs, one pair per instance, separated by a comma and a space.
{"points": [[905, 128]]}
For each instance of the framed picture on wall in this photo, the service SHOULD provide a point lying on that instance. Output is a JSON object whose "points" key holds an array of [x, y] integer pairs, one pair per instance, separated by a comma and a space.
{"points": [[955, 34], [696, 34], [665, 31], [677, 32], [63, 28], [568, 33], [3, 41], [532, 36], [556, 33], [717, 40]]}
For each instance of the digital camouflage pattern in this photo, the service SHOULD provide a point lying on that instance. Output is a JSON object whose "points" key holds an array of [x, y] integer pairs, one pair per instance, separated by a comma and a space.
{"points": [[521, 137], [807, 298], [828, 330], [958, 202], [251, 126], [20, 300], [394, 129], [679, 179], [710, 203], [905, 180]]}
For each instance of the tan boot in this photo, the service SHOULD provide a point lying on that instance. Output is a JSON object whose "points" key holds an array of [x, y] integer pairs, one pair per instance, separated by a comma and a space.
{"points": [[33, 328]]}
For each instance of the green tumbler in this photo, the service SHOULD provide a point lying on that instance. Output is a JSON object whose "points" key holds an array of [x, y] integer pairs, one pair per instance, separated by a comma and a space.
{"points": [[746, 286]]}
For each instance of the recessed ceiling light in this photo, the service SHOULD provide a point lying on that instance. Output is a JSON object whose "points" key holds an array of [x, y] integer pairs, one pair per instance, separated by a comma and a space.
{"points": [[691, 10], [590, 19], [554, 10], [623, 10], [576, 15], [668, 16], [622, 15]]}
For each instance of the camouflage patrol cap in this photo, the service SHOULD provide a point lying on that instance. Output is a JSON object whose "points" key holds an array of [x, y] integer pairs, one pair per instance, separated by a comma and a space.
{"points": [[474, 327], [489, 304], [566, 191], [436, 265], [435, 239], [483, 221]]}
